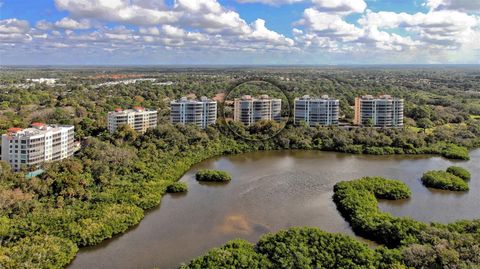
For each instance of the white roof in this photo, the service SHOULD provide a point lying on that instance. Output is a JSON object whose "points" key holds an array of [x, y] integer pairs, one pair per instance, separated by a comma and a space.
{"points": [[35, 131]]}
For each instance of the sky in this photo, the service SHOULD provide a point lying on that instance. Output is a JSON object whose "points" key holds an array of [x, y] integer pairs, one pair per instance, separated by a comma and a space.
{"points": [[239, 32]]}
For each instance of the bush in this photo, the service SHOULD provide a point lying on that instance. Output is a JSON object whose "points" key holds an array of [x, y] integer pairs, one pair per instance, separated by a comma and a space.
{"points": [[213, 176], [313, 248], [459, 172], [296, 248], [417, 244], [40, 251], [452, 151], [235, 254], [374, 151], [445, 181], [355, 149], [357, 201], [176, 187]]}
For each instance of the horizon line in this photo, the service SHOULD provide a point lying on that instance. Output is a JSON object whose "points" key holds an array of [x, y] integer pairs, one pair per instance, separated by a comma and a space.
{"points": [[3, 66]]}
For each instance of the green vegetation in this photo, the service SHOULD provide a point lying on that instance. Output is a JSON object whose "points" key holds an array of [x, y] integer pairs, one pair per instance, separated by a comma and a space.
{"points": [[38, 252], [213, 176], [443, 180], [293, 248], [108, 185], [455, 152], [177, 187], [421, 245], [459, 172], [357, 201], [234, 254]]}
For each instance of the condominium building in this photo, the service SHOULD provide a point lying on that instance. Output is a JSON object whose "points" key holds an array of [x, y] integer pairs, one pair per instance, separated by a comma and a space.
{"points": [[138, 118], [249, 110], [316, 111], [38, 144], [202, 112], [381, 111]]}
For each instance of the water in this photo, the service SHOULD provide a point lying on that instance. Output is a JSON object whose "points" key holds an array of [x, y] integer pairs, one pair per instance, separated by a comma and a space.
{"points": [[272, 191]]}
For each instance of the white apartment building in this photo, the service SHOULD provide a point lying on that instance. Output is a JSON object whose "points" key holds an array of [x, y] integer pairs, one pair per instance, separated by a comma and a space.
{"points": [[250, 110], [138, 118], [381, 111], [202, 112], [38, 144], [316, 111]]}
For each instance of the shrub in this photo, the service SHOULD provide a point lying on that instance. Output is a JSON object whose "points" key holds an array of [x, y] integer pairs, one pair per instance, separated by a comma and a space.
{"points": [[355, 149], [374, 151], [442, 180], [313, 248], [213, 176], [418, 245], [357, 201], [459, 172], [177, 187], [40, 251], [453, 151], [235, 254], [296, 248]]}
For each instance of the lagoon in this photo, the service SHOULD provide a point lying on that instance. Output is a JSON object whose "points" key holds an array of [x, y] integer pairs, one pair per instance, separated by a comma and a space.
{"points": [[269, 191]]}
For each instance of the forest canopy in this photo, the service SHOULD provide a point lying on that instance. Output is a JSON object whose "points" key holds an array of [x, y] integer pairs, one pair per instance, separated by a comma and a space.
{"points": [[110, 183]]}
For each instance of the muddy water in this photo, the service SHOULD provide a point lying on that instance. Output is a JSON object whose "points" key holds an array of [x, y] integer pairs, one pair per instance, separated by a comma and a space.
{"points": [[272, 191]]}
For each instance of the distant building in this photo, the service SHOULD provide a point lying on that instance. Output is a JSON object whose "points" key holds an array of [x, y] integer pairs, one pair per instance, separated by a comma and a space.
{"points": [[381, 111], [138, 118], [38, 144], [202, 112], [316, 111], [249, 110], [48, 81]]}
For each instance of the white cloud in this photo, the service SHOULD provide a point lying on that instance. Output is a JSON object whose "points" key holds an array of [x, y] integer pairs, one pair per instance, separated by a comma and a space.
{"points": [[211, 17], [14, 26], [172, 31], [387, 41], [438, 28], [329, 25], [135, 12], [205, 15], [271, 2], [331, 31], [149, 30], [202, 27], [460, 5], [150, 4], [68, 23], [197, 6], [340, 6], [15, 38], [14, 31], [44, 25], [228, 22], [178, 33], [261, 33]]}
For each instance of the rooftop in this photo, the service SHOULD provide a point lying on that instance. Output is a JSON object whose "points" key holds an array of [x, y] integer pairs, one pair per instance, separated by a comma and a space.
{"points": [[185, 99], [380, 97], [260, 97], [323, 97], [37, 128], [134, 109]]}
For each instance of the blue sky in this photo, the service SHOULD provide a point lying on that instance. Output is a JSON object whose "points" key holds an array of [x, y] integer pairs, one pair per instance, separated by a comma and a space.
{"points": [[99, 32]]}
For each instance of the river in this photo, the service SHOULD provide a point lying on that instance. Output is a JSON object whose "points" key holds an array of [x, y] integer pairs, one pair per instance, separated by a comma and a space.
{"points": [[271, 191]]}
